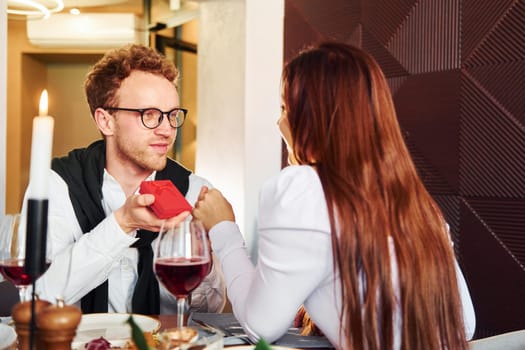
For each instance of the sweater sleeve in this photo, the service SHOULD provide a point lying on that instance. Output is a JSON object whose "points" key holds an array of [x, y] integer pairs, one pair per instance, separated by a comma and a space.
{"points": [[292, 230], [80, 262]]}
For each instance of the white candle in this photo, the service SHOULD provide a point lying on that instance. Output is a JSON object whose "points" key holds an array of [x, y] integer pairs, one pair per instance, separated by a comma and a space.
{"points": [[41, 145]]}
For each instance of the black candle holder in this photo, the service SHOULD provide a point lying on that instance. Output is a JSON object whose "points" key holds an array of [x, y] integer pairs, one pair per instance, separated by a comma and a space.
{"points": [[36, 244], [36, 237]]}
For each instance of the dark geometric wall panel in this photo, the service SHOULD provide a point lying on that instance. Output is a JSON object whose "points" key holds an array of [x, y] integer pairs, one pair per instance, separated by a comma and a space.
{"points": [[318, 24], [295, 40], [434, 130], [504, 83], [383, 18], [390, 64], [495, 216], [456, 69], [492, 146], [479, 22], [396, 83], [434, 181], [496, 279], [428, 39], [499, 42]]}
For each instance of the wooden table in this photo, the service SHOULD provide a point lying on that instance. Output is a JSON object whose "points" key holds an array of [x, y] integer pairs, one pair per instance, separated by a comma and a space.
{"points": [[167, 321]]}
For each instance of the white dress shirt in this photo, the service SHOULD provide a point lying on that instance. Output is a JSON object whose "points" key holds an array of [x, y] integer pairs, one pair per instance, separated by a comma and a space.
{"points": [[295, 262], [82, 261]]}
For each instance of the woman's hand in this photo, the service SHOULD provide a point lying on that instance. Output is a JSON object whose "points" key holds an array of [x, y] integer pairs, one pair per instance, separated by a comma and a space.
{"points": [[212, 208]]}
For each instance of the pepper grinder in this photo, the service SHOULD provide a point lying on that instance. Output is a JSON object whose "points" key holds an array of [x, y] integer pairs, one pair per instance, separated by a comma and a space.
{"points": [[57, 325], [21, 313]]}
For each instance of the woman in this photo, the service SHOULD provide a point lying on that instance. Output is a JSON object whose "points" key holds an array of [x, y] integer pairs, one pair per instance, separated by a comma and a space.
{"points": [[348, 229]]}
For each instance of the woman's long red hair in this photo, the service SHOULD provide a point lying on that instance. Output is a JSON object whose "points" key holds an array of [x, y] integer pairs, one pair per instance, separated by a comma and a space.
{"points": [[342, 119]]}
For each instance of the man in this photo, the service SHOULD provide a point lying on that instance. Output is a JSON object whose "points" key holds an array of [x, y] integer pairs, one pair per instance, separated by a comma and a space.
{"points": [[100, 228]]}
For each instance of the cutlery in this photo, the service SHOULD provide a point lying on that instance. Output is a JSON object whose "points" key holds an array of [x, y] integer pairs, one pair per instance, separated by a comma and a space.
{"points": [[225, 333]]}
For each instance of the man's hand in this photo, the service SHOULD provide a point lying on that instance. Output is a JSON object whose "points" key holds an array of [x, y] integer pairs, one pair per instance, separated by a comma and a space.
{"points": [[135, 214], [212, 208]]}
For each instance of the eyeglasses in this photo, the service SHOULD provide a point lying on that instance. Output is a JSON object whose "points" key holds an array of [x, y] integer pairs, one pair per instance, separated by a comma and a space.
{"points": [[152, 117]]}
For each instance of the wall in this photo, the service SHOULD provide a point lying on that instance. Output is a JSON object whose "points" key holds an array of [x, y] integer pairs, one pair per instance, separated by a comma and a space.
{"points": [[22, 106], [188, 32], [239, 65], [74, 124], [3, 102], [456, 69], [188, 91], [31, 69]]}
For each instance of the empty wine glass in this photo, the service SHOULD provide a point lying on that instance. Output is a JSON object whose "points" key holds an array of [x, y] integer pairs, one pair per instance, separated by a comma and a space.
{"points": [[12, 254], [182, 260]]}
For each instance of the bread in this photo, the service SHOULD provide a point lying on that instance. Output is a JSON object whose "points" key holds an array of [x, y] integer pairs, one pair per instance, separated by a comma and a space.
{"points": [[178, 336]]}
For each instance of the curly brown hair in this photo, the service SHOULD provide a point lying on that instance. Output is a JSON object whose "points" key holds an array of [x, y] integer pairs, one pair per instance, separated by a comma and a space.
{"points": [[106, 76]]}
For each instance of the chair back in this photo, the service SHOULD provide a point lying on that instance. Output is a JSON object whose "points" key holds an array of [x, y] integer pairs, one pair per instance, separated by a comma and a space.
{"points": [[9, 297]]}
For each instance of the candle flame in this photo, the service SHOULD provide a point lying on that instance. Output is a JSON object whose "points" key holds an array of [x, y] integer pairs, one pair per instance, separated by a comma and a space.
{"points": [[42, 110]]}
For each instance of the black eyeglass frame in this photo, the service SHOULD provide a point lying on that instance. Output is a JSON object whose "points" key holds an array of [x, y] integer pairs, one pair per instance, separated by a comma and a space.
{"points": [[141, 111]]}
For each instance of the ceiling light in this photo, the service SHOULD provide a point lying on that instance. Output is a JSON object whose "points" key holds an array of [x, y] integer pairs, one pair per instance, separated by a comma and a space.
{"points": [[34, 9]]}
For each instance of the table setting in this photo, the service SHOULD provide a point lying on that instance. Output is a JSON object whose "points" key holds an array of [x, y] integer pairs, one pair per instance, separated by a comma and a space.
{"points": [[235, 335], [181, 261], [214, 330]]}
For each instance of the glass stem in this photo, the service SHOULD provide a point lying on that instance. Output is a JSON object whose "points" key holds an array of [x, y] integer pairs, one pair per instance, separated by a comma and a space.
{"points": [[182, 311], [22, 293]]}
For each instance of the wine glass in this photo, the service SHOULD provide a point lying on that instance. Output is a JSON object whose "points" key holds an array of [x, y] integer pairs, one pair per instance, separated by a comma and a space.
{"points": [[181, 261], [12, 254]]}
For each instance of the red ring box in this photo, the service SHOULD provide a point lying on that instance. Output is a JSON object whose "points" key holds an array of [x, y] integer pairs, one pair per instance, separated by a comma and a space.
{"points": [[169, 202]]}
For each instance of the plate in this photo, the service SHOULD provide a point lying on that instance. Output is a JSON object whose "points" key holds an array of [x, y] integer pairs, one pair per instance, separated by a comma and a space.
{"points": [[112, 327], [7, 337]]}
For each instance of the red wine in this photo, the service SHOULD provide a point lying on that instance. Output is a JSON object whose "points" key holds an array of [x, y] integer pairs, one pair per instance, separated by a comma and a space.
{"points": [[13, 270], [181, 275]]}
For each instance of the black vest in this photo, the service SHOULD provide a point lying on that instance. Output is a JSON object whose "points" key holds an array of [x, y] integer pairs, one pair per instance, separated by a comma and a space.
{"points": [[83, 171]]}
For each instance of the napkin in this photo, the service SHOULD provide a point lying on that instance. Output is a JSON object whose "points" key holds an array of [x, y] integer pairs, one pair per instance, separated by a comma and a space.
{"points": [[227, 323]]}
